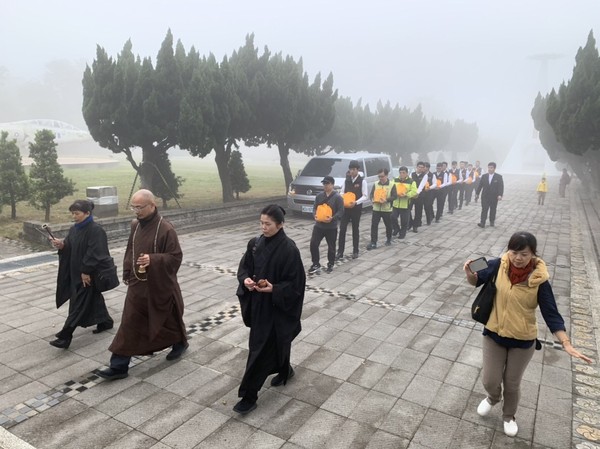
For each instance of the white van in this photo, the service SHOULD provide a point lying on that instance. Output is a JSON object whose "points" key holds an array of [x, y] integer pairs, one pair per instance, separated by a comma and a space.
{"points": [[303, 189]]}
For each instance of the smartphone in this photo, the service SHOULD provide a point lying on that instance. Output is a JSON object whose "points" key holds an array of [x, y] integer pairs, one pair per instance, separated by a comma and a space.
{"points": [[478, 264]]}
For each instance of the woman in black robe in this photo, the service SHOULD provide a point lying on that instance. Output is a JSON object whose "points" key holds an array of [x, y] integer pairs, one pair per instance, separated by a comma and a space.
{"points": [[271, 292], [81, 255]]}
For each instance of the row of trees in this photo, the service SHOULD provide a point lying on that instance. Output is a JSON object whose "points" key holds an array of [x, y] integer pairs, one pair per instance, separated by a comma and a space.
{"points": [[394, 130], [568, 121], [201, 105], [45, 186]]}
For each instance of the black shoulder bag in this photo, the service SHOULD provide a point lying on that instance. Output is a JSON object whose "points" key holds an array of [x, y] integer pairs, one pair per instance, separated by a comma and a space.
{"points": [[106, 277], [484, 302]]}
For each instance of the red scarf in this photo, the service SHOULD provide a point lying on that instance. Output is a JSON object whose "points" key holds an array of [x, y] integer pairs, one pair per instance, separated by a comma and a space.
{"points": [[518, 275]]}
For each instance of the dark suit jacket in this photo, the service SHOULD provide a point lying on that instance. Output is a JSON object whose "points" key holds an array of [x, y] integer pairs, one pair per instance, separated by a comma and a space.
{"points": [[493, 190]]}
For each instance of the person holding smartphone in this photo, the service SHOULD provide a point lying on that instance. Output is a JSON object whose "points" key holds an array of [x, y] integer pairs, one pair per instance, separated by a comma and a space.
{"points": [[510, 335]]}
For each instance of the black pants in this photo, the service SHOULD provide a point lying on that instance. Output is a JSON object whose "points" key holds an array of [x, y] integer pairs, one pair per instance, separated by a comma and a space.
{"points": [[330, 235], [488, 205], [428, 205], [404, 215], [120, 363], [417, 217], [351, 214], [468, 189], [452, 197], [387, 221], [440, 197]]}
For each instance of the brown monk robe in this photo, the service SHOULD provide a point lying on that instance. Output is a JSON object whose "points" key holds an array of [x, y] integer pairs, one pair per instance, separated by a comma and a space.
{"points": [[152, 317]]}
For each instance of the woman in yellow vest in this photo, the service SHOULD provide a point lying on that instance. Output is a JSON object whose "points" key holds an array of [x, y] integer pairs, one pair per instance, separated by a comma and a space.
{"points": [[510, 335], [542, 189]]}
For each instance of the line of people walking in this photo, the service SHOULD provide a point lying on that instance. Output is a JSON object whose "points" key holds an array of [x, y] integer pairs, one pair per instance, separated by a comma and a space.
{"points": [[400, 203]]}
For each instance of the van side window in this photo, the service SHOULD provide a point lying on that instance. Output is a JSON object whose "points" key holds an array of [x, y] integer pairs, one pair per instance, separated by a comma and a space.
{"points": [[374, 165]]}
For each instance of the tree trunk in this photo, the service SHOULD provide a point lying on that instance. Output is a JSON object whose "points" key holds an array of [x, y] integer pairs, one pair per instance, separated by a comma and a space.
{"points": [[284, 152], [222, 159], [47, 216], [147, 169], [13, 209]]}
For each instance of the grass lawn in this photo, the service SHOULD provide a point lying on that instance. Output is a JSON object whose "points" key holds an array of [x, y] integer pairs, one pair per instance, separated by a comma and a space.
{"points": [[201, 188]]}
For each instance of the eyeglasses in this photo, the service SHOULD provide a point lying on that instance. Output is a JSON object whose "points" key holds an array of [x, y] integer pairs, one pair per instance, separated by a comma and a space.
{"points": [[138, 208]]}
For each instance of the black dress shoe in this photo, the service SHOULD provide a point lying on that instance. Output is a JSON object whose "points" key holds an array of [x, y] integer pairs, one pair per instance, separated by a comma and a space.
{"points": [[62, 343], [244, 406], [355, 255], [277, 380], [112, 374], [103, 327], [492, 224], [178, 349], [481, 225]]}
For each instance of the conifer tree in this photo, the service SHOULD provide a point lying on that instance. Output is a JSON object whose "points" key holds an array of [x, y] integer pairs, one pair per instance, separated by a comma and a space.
{"points": [[48, 184], [14, 185], [237, 174]]}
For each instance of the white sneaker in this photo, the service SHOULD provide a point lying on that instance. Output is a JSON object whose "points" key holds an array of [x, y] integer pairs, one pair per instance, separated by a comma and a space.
{"points": [[511, 428], [484, 407]]}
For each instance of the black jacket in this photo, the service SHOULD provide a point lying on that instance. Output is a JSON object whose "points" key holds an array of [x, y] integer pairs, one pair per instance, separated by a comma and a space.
{"points": [[490, 191]]}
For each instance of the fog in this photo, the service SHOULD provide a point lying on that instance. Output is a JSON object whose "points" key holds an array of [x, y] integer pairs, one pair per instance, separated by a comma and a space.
{"points": [[468, 59]]}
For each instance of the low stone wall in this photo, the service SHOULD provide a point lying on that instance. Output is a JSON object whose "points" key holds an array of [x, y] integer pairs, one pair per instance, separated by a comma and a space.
{"points": [[184, 220]]}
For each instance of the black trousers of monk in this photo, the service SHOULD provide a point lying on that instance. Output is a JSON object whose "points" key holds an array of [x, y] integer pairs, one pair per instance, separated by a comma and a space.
{"points": [[440, 197], [488, 204], [264, 364], [330, 235], [387, 221], [351, 214], [403, 215]]}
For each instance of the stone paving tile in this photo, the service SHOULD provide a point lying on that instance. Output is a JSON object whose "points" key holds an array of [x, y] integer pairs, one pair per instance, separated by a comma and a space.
{"points": [[436, 430], [368, 374], [133, 439], [345, 399], [421, 390], [317, 430], [195, 429], [169, 419]]}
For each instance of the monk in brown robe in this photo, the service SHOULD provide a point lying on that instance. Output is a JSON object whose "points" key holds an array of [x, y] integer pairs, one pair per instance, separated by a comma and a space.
{"points": [[153, 313]]}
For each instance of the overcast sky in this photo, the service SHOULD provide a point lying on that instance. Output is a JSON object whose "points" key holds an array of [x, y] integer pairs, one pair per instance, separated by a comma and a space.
{"points": [[466, 59]]}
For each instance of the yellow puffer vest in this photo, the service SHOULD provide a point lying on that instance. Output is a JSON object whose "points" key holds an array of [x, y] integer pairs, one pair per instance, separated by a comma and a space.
{"points": [[513, 314]]}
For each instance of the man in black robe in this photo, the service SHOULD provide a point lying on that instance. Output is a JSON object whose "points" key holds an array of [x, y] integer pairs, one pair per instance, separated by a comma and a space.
{"points": [[271, 293], [152, 317]]}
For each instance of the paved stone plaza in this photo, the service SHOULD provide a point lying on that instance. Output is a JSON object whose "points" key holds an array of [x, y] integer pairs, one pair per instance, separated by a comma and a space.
{"points": [[388, 356]]}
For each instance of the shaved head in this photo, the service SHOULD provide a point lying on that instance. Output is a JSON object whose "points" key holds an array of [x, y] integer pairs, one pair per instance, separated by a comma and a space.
{"points": [[144, 195]]}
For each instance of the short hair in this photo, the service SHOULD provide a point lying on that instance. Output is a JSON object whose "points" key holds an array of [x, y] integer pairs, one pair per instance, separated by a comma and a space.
{"points": [[421, 163], [492, 164], [522, 240], [427, 164], [439, 164], [454, 162], [84, 206], [403, 168], [383, 170], [354, 164], [276, 212]]}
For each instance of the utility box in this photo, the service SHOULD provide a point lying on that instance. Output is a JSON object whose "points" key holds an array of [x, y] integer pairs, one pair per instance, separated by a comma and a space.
{"points": [[105, 199]]}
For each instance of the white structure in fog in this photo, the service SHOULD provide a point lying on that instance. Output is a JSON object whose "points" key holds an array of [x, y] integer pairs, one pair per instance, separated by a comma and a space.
{"points": [[528, 156], [24, 131]]}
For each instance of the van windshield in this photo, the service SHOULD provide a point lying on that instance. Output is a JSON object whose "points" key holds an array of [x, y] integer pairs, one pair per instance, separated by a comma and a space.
{"points": [[326, 167]]}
